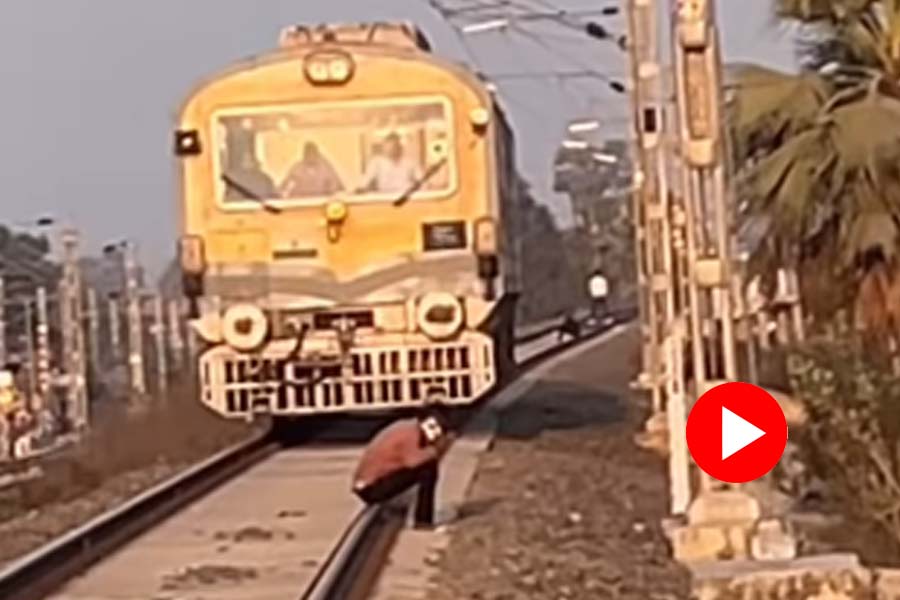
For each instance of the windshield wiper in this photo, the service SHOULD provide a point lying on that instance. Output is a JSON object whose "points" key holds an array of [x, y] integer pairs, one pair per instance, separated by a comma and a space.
{"points": [[250, 194], [429, 173]]}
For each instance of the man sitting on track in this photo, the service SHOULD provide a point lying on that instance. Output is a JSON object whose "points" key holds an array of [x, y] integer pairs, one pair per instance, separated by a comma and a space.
{"points": [[404, 454]]}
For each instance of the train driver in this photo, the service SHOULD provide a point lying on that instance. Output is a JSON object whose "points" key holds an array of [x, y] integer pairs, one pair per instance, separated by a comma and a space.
{"points": [[391, 171], [312, 175], [404, 454], [246, 177]]}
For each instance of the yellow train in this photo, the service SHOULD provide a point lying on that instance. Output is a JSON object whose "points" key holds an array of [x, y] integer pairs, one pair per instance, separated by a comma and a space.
{"points": [[348, 219]]}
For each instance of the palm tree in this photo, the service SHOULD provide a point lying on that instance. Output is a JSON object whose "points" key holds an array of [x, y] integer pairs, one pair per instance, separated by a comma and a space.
{"points": [[817, 156]]}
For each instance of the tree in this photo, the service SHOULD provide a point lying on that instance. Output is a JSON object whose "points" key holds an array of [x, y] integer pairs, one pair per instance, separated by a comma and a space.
{"points": [[550, 279], [817, 155], [600, 195], [25, 263]]}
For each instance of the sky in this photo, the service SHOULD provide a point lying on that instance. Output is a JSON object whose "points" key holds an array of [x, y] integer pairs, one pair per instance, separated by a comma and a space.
{"points": [[91, 88]]}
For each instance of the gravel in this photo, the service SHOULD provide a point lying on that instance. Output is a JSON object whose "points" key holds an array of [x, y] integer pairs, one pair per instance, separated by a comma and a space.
{"points": [[124, 455], [566, 505]]}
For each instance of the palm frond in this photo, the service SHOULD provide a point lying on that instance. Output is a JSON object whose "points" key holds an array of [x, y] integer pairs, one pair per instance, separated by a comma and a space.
{"points": [[768, 106], [785, 182], [811, 11], [817, 156]]}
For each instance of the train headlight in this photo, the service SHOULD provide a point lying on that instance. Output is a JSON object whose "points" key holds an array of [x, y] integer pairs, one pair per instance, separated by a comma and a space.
{"points": [[339, 70], [245, 327], [331, 67], [440, 315]]}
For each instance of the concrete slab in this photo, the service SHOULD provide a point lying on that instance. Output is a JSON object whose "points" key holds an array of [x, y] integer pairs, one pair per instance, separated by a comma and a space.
{"points": [[412, 563], [258, 537]]}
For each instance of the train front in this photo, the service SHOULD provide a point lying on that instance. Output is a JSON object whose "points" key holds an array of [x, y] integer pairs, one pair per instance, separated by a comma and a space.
{"points": [[341, 216]]}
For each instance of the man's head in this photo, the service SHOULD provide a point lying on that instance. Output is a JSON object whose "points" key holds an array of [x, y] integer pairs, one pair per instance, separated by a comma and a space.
{"points": [[435, 411], [392, 146], [431, 429], [310, 152]]}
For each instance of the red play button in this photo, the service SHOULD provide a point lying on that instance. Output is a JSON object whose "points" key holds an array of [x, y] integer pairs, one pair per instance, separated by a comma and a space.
{"points": [[736, 432]]}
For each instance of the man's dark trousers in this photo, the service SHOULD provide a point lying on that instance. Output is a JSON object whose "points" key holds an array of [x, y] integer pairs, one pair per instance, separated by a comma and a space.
{"points": [[599, 307], [391, 486]]}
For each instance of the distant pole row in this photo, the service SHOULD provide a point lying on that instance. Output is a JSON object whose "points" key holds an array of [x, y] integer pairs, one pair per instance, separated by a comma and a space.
{"points": [[65, 339]]}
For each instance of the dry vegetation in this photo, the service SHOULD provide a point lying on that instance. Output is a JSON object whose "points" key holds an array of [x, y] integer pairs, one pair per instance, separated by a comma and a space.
{"points": [[852, 440], [122, 456]]}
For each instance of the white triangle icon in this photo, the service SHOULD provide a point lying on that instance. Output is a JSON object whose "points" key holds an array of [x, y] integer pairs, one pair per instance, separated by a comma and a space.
{"points": [[737, 433]]}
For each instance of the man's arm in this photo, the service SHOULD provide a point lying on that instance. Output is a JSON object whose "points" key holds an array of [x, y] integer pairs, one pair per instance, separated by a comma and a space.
{"points": [[415, 455], [289, 183], [368, 178], [444, 443], [334, 180]]}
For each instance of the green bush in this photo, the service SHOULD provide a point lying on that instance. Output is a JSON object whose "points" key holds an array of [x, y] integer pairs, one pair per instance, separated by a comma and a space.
{"points": [[852, 438]]}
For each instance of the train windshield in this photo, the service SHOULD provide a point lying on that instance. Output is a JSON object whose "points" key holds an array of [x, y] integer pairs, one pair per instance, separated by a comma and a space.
{"points": [[385, 150]]}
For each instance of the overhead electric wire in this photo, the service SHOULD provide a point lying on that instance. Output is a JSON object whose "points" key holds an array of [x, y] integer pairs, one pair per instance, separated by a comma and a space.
{"points": [[583, 74], [563, 76], [560, 55], [440, 9], [490, 11]]}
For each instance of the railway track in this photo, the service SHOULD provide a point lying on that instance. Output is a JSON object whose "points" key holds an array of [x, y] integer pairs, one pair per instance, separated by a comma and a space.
{"points": [[242, 524], [352, 569]]}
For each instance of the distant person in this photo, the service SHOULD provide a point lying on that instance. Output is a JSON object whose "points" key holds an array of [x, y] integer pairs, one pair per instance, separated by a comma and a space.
{"points": [[598, 288], [569, 327], [390, 171], [313, 175], [402, 455]]}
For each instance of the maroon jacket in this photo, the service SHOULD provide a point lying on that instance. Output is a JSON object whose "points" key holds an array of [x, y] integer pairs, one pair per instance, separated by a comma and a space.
{"points": [[396, 447]]}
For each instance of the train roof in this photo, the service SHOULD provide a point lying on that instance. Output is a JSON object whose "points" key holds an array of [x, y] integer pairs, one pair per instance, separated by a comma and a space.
{"points": [[399, 34], [385, 36]]}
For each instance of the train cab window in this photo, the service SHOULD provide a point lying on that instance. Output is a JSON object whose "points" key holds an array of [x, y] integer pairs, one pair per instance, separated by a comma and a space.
{"points": [[363, 151]]}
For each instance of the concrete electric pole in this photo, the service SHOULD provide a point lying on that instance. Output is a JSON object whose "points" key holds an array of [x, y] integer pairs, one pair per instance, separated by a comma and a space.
{"points": [[71, 311], [654, 235], [135, 321], [716, 510]]}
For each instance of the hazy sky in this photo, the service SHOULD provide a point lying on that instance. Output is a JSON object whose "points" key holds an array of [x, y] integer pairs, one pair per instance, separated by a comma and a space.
{"points": [[90, 88]]}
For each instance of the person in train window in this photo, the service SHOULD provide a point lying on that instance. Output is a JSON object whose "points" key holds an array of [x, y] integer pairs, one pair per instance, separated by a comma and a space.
{"points": [[313, 175], [390, 171], [402, 455], [245, 177]]}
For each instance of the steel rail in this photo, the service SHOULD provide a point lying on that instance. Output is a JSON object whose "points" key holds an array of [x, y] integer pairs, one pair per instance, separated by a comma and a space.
{"points": [[351, 570], [45, 570]]}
